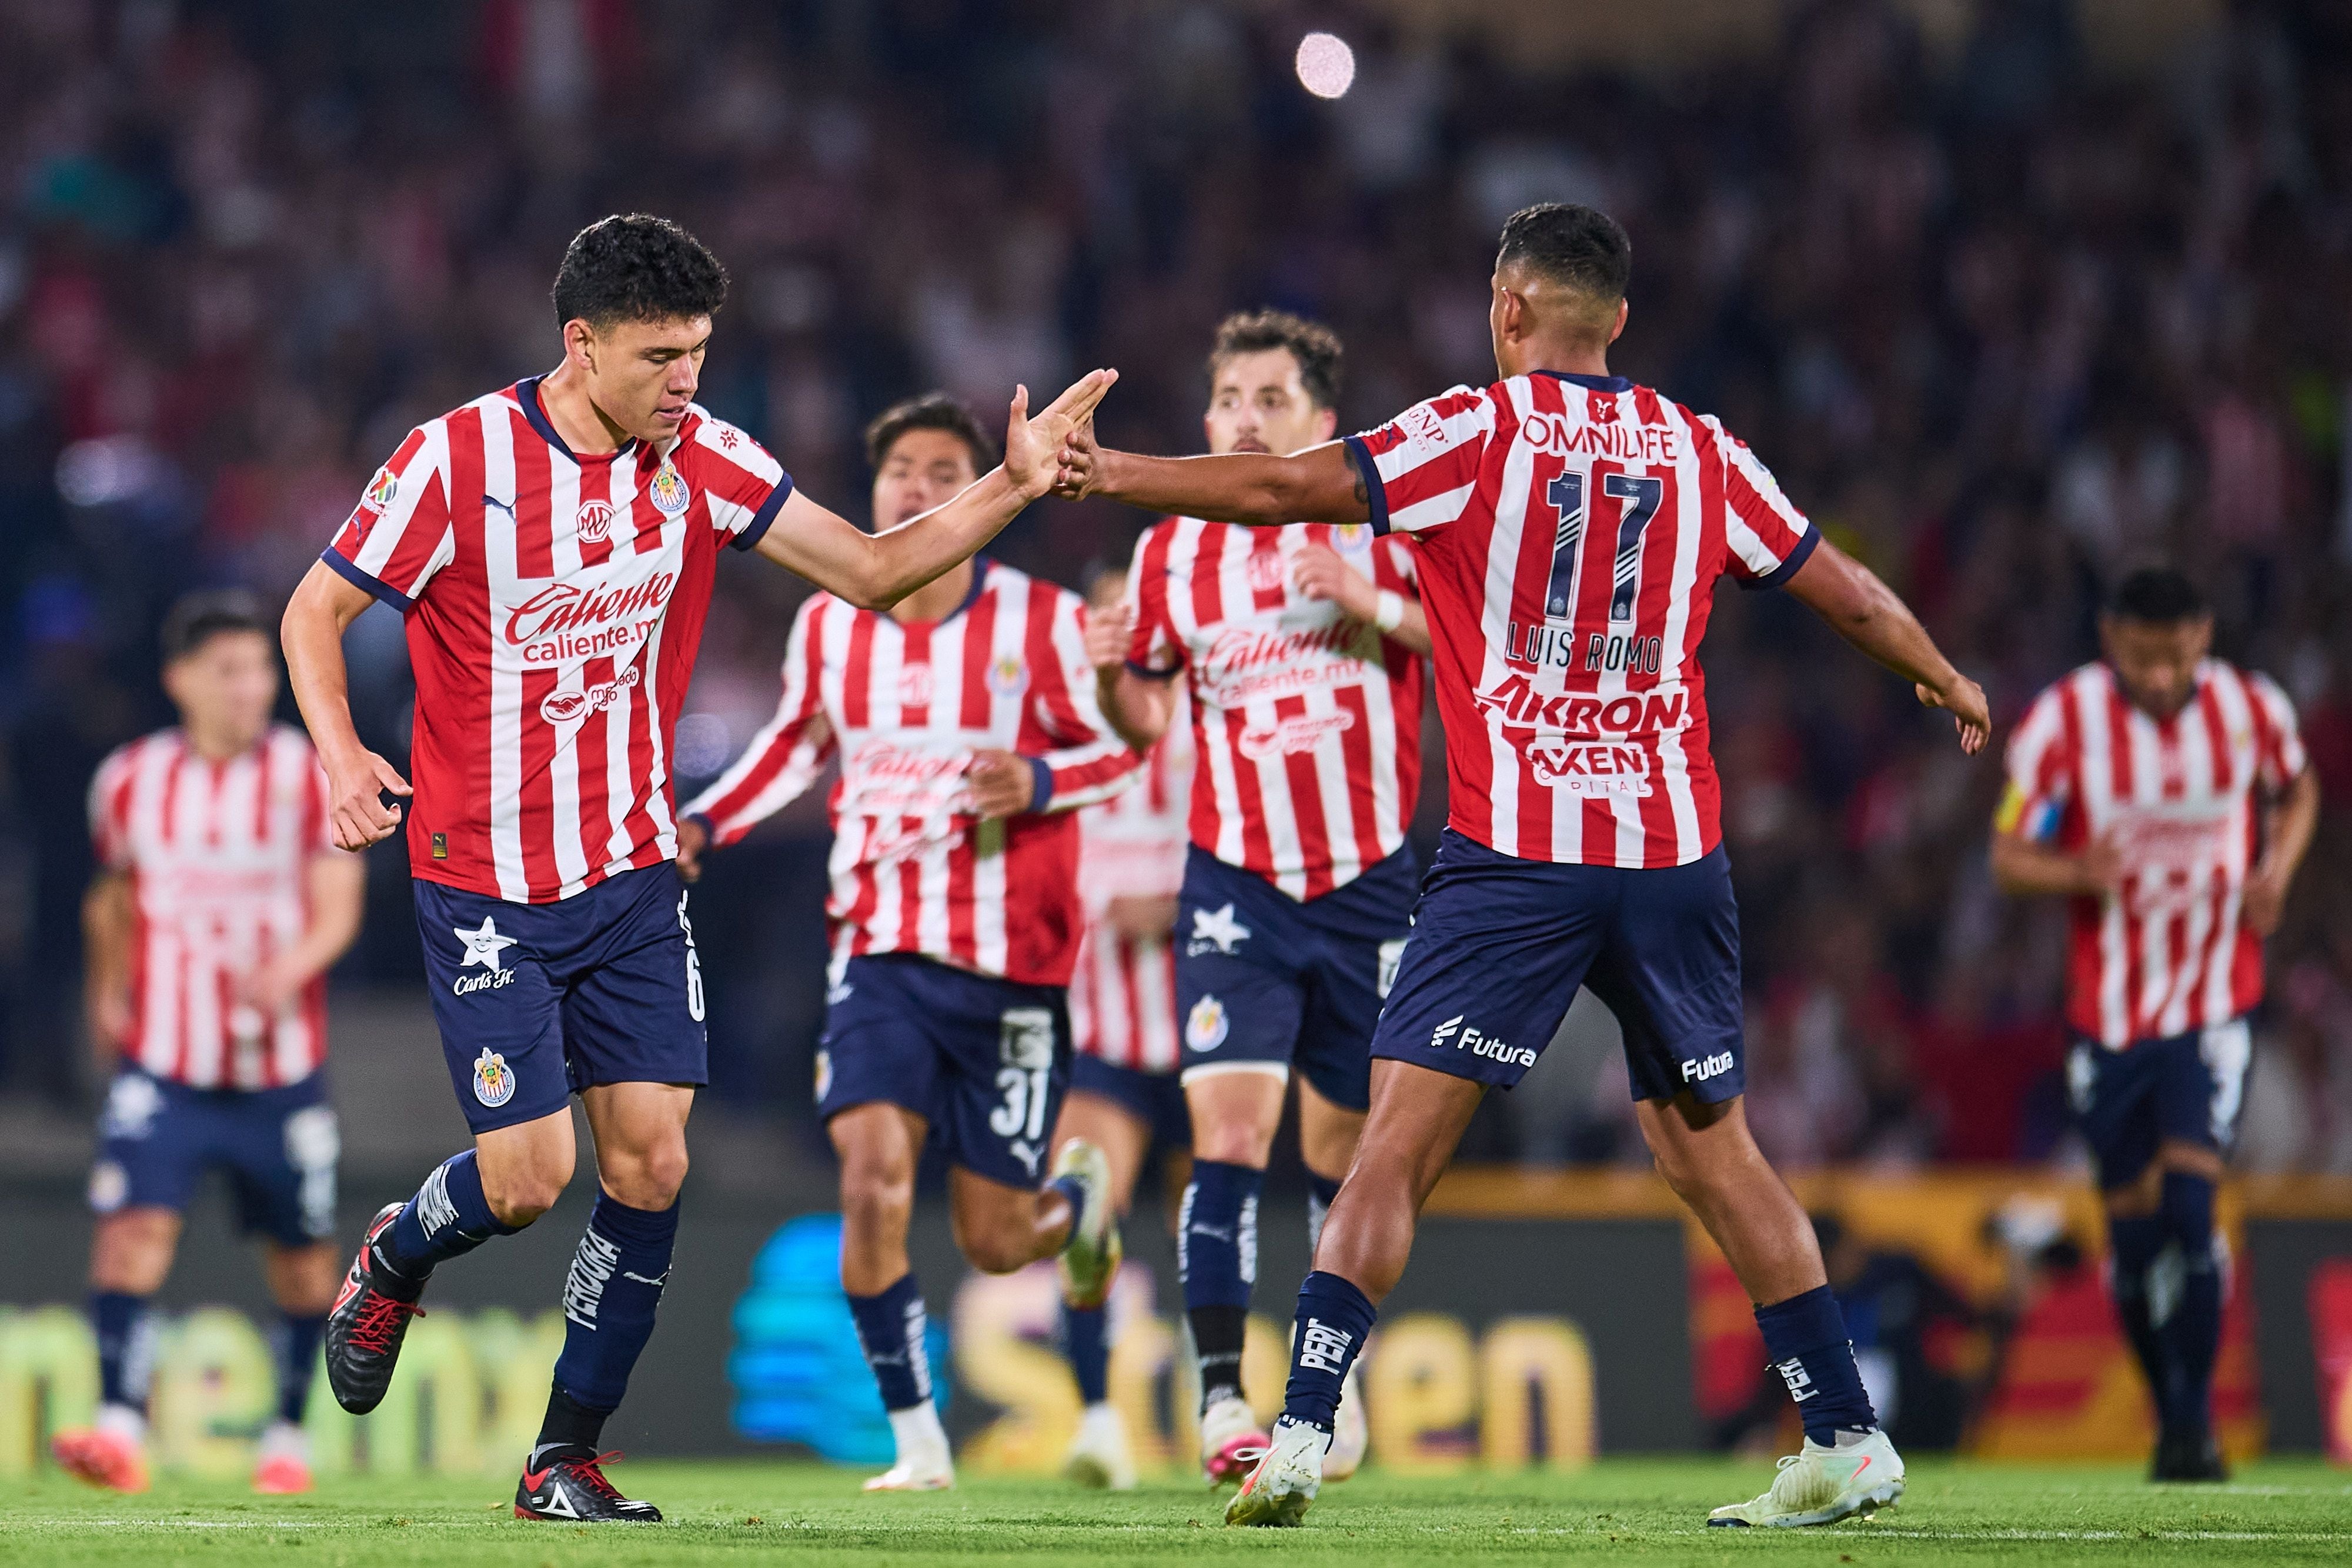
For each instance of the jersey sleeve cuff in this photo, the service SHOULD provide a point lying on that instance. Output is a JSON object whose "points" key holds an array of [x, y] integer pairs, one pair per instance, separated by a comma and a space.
{"points": [[366, 584], [1788, 564], [1375, 492], [1149, 674], [1045, 777], [757, 529]]}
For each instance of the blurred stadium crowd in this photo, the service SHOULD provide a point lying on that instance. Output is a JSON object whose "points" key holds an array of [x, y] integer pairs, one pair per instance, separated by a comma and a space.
{"points": [[1999, 318]]}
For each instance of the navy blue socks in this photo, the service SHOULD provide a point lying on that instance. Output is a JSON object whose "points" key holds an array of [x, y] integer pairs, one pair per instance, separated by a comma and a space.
{"points": [[1805, 1339], [609, 1297], [1216, 1256], [1333, 1319], [1085, 1339], [890, 1328], [2132, 1246], [294, 1345], [125, 1347], [446, 1219], [2191, 1331]]}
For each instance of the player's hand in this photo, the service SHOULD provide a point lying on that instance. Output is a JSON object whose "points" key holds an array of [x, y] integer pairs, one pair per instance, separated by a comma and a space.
{"points": [[1966, 701], [109, 1019], [1322, 575], [269, 989], [1141, 916], [1077, 466], [2100, 868], [2265, 898], [1109, 635], [359, 815], [1003, 783], [693, 837], [1031, 445]]}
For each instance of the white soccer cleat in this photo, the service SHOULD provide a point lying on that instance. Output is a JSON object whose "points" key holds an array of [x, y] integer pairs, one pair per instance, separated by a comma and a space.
{"points": [[1285, 1479], [924, 1463], [1231, 1440], [1351, 1434], [1821, 1486], [903, 1477], [1099, 1454], [1089, 1260]]}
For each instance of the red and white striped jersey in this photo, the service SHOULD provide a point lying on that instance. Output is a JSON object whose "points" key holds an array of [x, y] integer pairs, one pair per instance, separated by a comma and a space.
{"points": [[1306, 722], [1123, 992], [2165, 953], [1571, 531], [219, 854], [905, 706], [555, 605]]}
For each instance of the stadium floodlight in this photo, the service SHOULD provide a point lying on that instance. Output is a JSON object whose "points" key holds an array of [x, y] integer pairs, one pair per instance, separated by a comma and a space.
{"points": [[1327, 66]]}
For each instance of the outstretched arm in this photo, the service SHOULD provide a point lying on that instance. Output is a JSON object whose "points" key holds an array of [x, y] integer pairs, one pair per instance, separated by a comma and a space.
{"points": [[1320, 484], [1865, 613], [875, 571]]}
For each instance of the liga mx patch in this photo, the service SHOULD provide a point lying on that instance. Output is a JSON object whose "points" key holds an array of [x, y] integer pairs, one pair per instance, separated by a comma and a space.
{"points": [[667, 490], [494, 1081]]}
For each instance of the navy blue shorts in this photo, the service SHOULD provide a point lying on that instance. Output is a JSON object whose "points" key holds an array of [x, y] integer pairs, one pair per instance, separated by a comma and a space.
{"points": [[1265, 980], [1154, 1099], [1500, 945], [983, 1060], [538, 1001], [2186, 1089], [279, 1146]]}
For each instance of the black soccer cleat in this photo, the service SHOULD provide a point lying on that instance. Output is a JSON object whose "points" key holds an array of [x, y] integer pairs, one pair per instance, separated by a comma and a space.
{"points": [[566, 1482], [366, 1326], [2188, 1455]]}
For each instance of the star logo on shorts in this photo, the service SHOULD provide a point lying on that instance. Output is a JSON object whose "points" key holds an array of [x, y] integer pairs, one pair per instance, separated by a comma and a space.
{"points": [[1217, 928], [483, 946]]}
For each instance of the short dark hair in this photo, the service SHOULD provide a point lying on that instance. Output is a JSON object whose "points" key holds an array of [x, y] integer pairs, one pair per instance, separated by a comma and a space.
{"points": [[637, 268], [1315, 346], [932, 411], [1584, 248], [198, 618], [2158, 596]]}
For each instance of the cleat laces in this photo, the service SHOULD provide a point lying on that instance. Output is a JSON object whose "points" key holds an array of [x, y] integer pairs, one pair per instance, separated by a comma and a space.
{"points": [[380, 1318], [590, 1473]]}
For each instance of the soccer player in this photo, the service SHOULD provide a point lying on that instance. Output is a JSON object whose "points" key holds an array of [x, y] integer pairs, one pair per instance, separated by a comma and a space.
{"points": [[1571, 528], [219, 902], [552, 548], [965, 722], [1301, 654], [2165, 793], [1124, 1092]]}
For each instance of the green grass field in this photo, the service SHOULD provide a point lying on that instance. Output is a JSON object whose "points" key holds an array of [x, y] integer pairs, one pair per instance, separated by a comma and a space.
{"points": [[1640, 1511]]}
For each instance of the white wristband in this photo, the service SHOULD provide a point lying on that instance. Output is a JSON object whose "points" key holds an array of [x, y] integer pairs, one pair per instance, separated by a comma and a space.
{"points": [[1388, 610]]}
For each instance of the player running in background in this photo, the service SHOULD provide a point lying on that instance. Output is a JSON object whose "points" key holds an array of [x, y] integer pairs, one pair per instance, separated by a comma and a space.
{"points": [[219, 902], [969, 739], [2165, 793], [552, 548], [1572, 527], [1124, 1092], [1302, 654]]}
